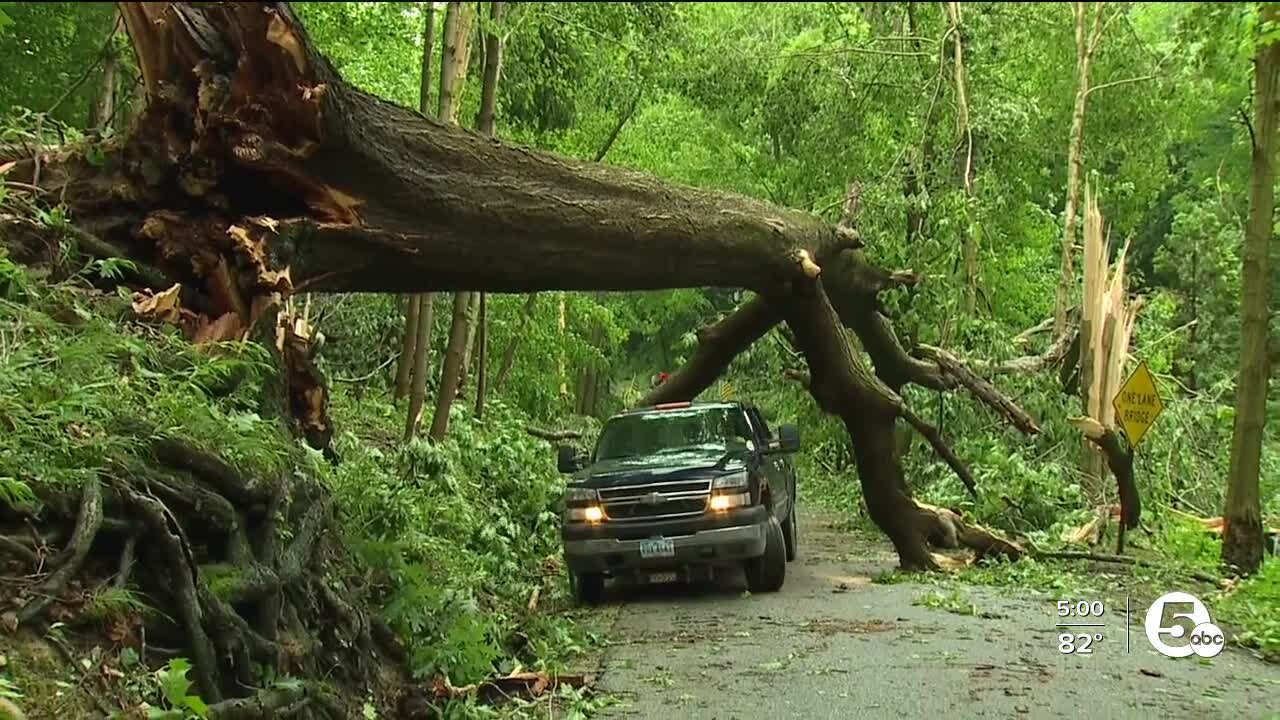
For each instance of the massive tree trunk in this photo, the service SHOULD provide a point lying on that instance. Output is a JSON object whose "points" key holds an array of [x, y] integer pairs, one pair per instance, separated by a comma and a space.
{"points": [[1242, 532], [257, 170]]}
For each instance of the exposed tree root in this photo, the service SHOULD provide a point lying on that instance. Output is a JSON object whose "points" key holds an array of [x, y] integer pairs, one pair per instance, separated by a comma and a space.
{"points": [[182, 576], [68, 562], [279, 703], [18, 549]]}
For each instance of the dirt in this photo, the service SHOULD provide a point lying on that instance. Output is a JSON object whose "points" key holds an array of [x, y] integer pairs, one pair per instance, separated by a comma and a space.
{"points": [[834, 644]]}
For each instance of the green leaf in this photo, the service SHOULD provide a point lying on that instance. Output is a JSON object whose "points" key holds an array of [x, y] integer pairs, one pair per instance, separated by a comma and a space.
{"points": [[173, 680], [196, 705]]}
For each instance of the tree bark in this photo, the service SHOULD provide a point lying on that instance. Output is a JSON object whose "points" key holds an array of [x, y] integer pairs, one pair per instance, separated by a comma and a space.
{"points": [[424, 323], [482, 359], [408, 345], [104, 108], [452, 371], [1242, 530], [254, 156]]}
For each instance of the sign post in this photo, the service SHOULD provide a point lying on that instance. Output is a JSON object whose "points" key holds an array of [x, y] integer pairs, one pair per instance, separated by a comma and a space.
{"points": [[1138, 404]]}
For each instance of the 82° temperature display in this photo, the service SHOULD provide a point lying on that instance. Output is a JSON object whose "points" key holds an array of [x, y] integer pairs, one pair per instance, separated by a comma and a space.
{"points": [[1080, 626]]}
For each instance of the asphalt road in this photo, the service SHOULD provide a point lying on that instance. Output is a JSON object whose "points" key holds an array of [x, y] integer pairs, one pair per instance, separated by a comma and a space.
{"points": [[831, 644]]}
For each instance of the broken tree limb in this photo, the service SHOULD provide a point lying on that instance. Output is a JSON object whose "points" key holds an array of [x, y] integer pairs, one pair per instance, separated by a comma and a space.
{"points": [[553, 435], [718, 345], [931, 434], [980, 388], [1115, 448]]}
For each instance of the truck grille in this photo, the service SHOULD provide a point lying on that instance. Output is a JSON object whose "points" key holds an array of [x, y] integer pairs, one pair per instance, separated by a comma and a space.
{"points": [[656, 501]]}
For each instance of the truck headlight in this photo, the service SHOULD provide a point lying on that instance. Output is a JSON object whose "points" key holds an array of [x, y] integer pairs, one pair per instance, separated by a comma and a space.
{"points": [[578, 496], [730, 482], [720, 503], [590, 513]]}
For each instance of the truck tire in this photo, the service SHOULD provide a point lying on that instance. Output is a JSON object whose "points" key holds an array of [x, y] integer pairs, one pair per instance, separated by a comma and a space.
{"points": [[588, 588], [789, 533], [766, 573]]}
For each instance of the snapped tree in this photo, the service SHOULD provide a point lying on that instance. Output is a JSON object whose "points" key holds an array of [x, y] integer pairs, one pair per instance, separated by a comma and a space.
{"points": [[331, 189]]}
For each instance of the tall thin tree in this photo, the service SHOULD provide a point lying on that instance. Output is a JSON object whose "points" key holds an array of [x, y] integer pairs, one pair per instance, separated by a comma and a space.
{"points": [[453, 73], [1242, 531], [485, 124], [413, 327]]}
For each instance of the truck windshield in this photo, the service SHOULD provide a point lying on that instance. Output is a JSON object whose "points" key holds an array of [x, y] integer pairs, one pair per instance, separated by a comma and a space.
{"points": [[715, 428]]}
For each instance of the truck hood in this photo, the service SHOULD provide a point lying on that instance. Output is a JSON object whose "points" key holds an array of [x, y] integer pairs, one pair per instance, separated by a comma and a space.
{"points": [[662, 467]]}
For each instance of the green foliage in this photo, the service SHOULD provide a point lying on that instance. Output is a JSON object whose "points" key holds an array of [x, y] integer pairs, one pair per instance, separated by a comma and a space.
{"points": [[461, 532], [1251, 606], [953, 601], [73, 379], [176, 702]]}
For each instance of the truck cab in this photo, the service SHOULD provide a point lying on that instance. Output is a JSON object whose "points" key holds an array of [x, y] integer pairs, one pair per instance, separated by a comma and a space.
{"points": [[677, 491]]}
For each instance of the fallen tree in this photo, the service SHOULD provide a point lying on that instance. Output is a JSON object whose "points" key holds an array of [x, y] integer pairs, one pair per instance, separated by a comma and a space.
{"points": [[256, 171]]}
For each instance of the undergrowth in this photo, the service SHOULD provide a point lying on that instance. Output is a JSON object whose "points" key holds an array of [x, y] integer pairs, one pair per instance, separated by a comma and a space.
{"points": [[458, 539]]}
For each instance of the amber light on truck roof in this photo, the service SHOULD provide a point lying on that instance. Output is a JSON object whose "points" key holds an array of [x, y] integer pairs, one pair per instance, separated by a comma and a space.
{"points": [[672, 405]]}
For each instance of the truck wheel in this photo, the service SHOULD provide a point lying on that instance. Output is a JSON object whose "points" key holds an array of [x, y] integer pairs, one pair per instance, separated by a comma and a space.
{"points": [[766, 573], [588, 588], [789, 533]]}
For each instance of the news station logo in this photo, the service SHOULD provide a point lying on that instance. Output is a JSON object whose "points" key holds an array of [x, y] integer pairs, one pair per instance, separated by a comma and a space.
{"points": [[1182, 618]]}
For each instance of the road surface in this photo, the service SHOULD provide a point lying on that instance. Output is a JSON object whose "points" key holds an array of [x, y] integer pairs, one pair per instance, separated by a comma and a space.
{"points": [[831, 644]]}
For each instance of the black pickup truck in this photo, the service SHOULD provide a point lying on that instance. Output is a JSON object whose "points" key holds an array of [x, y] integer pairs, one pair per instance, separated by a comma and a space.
{"points": [[676, 491]]}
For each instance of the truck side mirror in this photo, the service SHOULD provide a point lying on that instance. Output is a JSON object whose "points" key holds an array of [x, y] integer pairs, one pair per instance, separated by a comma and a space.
{"points": [[567, 459], [789, 438]]}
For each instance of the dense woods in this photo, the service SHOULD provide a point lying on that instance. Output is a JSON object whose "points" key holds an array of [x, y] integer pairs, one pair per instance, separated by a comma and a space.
{"points": [[338, 271]]}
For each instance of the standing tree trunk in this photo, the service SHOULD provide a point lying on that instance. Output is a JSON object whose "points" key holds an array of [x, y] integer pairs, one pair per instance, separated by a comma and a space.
{"points": [[453, 75], [509, 355], [469, 346], [104, 109], [415, 351], [482, 359], [1242, 530], [408, 344], [969, 243], [1086, 46], [412, 328], [452, 364], [485, 124]]}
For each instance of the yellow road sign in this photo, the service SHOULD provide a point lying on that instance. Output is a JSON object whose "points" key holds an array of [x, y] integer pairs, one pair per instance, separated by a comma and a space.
{"points": [[1138, 404]]}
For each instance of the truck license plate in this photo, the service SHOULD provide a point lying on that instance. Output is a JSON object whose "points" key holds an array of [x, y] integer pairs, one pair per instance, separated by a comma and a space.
{"points": [[657, 548]]}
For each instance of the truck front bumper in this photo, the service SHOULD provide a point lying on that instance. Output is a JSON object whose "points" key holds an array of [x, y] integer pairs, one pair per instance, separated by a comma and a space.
{"points": [[712, 547]]}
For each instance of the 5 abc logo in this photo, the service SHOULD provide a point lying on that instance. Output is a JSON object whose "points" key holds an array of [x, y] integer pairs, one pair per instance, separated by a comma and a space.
{"points": [[1188, 622]]}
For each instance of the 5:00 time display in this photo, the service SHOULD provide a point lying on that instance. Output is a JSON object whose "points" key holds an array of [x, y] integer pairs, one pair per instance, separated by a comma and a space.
{"points": [[1080, 608]]}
